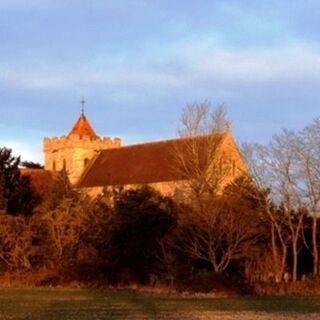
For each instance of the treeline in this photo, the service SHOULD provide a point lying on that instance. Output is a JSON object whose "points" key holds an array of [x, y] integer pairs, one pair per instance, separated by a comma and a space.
{"points": [[288, 168], [127, 236], [140, 236]]}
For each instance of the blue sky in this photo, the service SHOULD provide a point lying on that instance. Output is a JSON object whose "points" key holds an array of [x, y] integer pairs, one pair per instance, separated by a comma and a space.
{"points": [[139, 62]]}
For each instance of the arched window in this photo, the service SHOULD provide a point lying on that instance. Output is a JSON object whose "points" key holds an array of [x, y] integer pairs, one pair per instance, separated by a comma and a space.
{"points": [[234, 167], [64, 164], [54, 165], [221, 166], [85, 162]]}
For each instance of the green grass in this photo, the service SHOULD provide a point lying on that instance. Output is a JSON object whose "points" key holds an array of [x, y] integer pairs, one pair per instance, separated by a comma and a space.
{"points": [[83, 304]]}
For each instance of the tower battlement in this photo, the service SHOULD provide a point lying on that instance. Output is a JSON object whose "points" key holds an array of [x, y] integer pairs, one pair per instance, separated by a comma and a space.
{"points": [[80, 142]]}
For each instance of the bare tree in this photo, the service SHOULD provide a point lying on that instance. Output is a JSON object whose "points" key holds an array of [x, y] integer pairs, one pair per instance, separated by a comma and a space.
{"points": [[219, 121], [257, 159], [309, 170], [15, 242], [276, 167], [167, 258], [226, 231], [212, 230], [199, 119], [196, 155]]}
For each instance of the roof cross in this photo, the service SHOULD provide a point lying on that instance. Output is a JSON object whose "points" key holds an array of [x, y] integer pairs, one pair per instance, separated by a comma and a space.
{"points": [[82, 105]]}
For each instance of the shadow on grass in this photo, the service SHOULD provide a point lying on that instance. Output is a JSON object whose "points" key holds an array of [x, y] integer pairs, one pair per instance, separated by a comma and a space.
{"points": [[66, 304]]}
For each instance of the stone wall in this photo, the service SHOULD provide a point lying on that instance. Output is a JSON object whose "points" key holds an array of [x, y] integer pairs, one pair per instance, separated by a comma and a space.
{"points": [[233, 163]]}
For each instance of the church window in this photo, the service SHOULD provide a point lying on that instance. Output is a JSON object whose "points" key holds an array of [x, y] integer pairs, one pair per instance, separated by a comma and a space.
{"points": [[221, 166], [85, 162], [233, 168]]}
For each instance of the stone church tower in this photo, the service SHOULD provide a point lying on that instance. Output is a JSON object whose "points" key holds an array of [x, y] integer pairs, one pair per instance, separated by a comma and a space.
{"points": [[74, 151]]}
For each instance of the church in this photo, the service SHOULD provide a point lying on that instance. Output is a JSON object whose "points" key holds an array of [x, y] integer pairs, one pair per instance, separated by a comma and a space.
{"points": [[93, 162]]}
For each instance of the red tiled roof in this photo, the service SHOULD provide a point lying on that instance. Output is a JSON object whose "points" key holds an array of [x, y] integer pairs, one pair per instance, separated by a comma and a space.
{"points": [[82, 127], [138, 164]]}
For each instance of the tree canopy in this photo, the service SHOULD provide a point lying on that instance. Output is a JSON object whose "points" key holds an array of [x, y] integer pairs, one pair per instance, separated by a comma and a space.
{"points": [[16, 193]]}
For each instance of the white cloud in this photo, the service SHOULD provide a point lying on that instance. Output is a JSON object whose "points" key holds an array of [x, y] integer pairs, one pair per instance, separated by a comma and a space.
{"points": [[140, 77], [118, 77], [294, 61], [203, 61]]}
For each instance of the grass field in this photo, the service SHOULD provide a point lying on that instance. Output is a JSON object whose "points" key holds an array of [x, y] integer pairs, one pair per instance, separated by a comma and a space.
{"points": [[82, 304]]}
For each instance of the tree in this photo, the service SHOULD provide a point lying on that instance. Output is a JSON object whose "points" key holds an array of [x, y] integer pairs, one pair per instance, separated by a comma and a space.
{"points": [[196, 156], [200, 119], [61, 189], [65, 213], [227, 231], [256, 158], [213, 229], [97, 230], [276, 166], [16, 194], [9, 175], [32, 165], [65, 223], [73, 232], [3, 193], [309, 173], [15, 243], [143, 218]]}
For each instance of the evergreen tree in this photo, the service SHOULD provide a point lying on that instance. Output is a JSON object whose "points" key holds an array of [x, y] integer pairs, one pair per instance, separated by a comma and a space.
{"points": [[16, 193], [3, 200], [144, 217], [32, 165]]}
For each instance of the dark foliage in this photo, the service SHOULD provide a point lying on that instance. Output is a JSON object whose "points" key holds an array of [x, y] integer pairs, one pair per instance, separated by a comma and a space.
{"points": [[139, 236], [144, 218], [23, 199], [16, 194], [61, 189], [32, 165]]}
